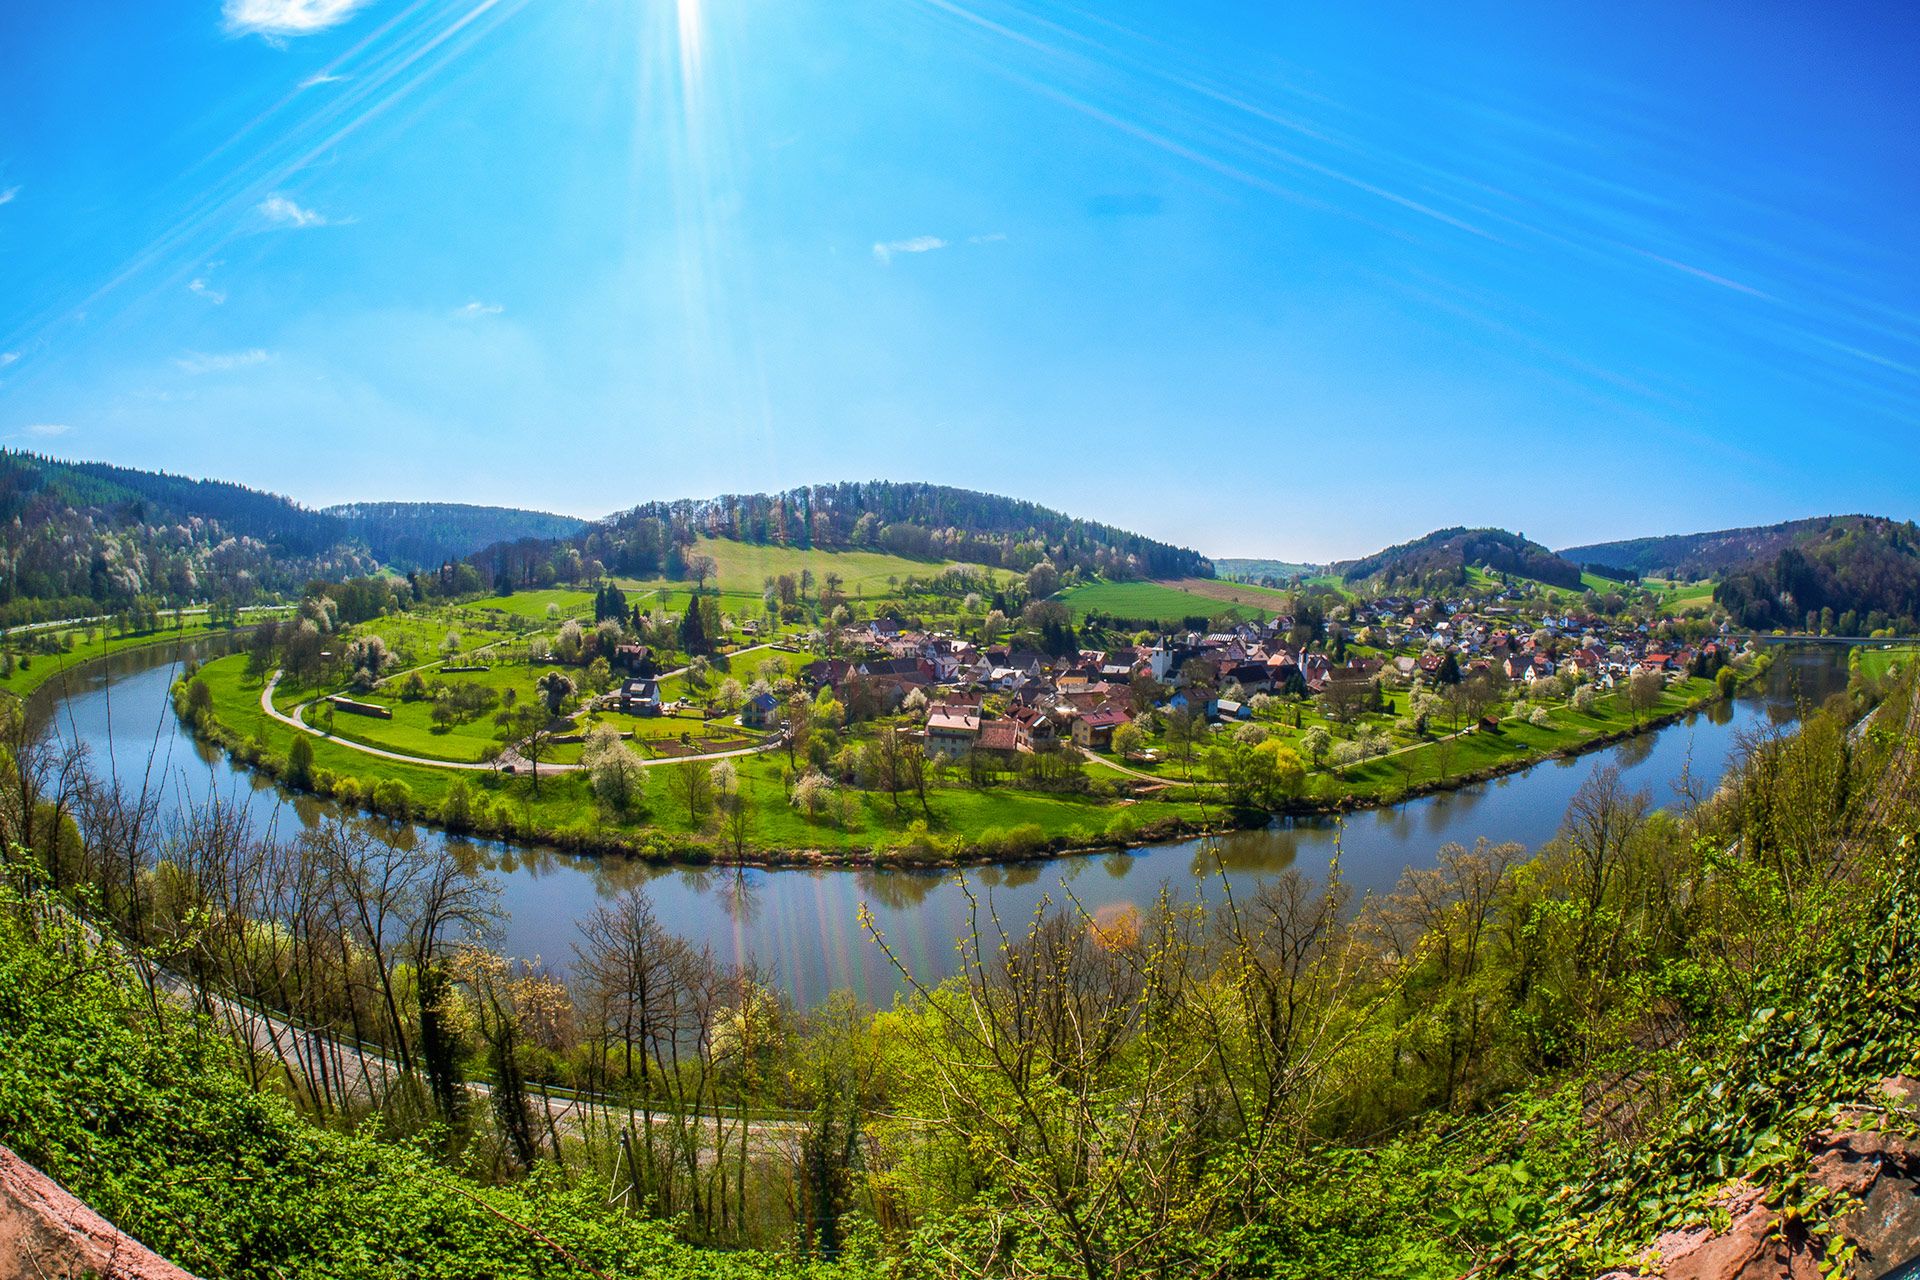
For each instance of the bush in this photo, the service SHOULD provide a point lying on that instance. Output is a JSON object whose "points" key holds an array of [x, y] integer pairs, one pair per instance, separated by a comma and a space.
{"points": [[1022, 841]]}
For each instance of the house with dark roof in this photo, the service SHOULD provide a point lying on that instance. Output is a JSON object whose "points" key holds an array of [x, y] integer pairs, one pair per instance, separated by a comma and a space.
{"points": [[640, 697], [762, 711]]}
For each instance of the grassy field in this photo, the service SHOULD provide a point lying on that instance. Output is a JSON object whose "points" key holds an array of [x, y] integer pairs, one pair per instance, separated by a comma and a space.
{"points": [[1877, 661], [1159, 602], [1227, 592], [1517, 740], [1679, 595], [743, 568], [532, 605]]}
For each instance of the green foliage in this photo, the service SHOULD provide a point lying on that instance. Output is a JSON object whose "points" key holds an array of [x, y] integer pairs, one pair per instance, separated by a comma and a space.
{"points": [[143, 1115], [1832, 1027]]}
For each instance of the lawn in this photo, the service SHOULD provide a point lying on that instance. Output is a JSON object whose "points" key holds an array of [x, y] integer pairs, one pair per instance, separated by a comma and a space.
{"points": [[743, 568], [1877, 661], [1158, 602]]}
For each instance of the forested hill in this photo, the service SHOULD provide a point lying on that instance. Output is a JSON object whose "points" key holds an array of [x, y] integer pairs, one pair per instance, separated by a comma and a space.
{"points": [[1701, 555], [78, 539], [31, 484], [82, 538], [1445, 556], [918, 520], [428, 533], [1854, 576]]}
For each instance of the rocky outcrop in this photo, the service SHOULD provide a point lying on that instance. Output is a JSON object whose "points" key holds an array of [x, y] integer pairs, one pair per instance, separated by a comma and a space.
{"points": [[1870, 1156], [46, 1234]]}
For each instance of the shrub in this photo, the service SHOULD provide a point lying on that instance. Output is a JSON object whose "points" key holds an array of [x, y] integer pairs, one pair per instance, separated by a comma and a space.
{"points": [[393, 798]]}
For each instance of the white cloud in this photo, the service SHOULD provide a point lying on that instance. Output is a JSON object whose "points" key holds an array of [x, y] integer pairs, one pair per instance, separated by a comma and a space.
{"points": [[992, 237], [8, 357], [6, 197], [475, 310], [47, 430], [320, 78], [283, 212], [200, 288], [883, 251], [287, 17], [198, 362]]}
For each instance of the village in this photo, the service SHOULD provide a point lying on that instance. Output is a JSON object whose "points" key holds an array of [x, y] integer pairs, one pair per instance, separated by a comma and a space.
{"points": [[1373, 677]]}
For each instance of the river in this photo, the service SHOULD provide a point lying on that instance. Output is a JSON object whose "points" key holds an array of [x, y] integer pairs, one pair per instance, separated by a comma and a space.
{"points": [[802, 926]]}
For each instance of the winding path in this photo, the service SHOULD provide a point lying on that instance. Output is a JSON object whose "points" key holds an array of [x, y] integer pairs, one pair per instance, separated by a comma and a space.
{"points": [[513, 761]]}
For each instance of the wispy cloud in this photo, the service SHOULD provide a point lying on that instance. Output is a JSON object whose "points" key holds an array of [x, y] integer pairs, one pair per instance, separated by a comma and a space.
{"points": [[883, 251], [319, 78], [8, 357], [47, 430], [6, 197], [475, 310], [991, 237], [199, 362], [283, 212], [201, 289], [281, 18]]}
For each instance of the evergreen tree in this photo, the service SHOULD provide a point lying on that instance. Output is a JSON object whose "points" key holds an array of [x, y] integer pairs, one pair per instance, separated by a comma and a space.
{"points": [[693, 629]]}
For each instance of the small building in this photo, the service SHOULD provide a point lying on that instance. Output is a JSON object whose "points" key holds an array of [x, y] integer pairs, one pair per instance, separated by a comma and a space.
{"points": [[1000, 737], [1094, 730], [636, 658], [762, 711], [640, 697]]}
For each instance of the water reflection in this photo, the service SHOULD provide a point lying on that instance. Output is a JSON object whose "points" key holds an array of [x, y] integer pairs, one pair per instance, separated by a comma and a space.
{"points": [[801, 926]]}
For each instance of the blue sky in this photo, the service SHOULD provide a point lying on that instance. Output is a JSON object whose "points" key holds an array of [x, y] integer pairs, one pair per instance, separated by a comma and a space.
{"points": [[1264, 279]]}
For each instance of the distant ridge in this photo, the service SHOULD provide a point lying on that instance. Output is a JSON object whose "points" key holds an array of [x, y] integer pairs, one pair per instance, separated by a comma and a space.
{"points": [[1700, 555], [906, 518], [1446, 555], [427, 533]]}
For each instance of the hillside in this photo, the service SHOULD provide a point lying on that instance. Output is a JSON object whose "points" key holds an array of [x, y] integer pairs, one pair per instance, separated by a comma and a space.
{"points": [[913, 521], [79, 538], [1855, 575], [87, 538], [1700, 555], [428, 533], [1446, 557]]}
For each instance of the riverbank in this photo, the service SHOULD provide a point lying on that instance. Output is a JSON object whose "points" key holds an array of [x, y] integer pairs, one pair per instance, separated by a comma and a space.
{"points": [[799, 913], [952, 826], [1532, 751], [32, 671]]}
